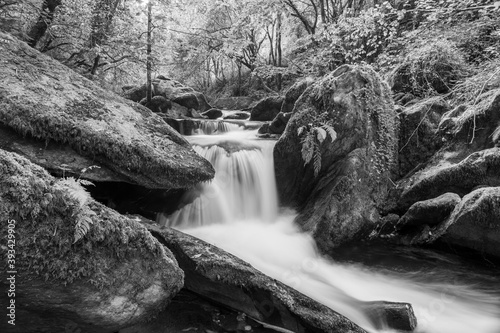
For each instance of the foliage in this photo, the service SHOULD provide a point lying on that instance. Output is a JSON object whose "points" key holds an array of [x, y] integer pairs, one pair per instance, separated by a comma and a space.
{"points": [[313, 135], [433, 68], [47, 212], [363, 37]]}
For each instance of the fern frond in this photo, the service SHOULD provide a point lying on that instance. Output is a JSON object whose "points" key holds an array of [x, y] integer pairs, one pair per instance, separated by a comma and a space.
{"points": [[331, 131], [317, 160], [320, 134], [308, 148], [82, 227], [85, 182], [75, 189]]}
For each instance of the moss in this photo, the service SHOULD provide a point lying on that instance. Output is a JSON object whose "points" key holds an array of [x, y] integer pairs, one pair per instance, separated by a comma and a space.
{"points": [[47, 213], [120, 134]]}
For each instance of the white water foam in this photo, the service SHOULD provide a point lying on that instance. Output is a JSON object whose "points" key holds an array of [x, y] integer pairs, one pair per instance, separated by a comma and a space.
{"points": [[237, 212]]}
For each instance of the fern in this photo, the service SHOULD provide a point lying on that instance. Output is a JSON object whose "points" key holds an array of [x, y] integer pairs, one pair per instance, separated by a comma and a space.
{"points": [[83, 223], [313, 136]]}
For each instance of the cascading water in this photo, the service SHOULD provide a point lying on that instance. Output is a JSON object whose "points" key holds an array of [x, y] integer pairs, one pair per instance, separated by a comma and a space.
{"points": [[238, 212]]}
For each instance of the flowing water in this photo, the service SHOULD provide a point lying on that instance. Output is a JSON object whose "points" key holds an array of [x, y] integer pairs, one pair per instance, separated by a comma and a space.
{"points": [[238, 211]]}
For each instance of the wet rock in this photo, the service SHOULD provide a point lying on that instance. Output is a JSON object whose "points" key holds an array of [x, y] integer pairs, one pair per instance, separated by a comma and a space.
{"points": [[418, 135], [293, 93], [396, 316], [266, 109], [225, 279], [80, 265], [342, 202], [475, 222], [430, 212], [64, 107], [212, 114]]}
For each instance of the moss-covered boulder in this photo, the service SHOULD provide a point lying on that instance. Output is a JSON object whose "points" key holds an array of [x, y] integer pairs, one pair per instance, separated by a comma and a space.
{"points": [[430, 212], [223, 278], [339, 197], [41, 98], [180, 94], [475, 222], [79, 264]]}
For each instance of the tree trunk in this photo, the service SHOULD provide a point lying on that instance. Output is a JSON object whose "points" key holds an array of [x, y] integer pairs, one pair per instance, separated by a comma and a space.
{"points": [[44, 20], [149, 60], [279, 56]]}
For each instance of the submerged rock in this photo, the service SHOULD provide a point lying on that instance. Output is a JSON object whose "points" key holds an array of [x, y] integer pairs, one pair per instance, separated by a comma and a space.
{"points": [[225, 279], [41, 98], [79, 264], [343, 200]]}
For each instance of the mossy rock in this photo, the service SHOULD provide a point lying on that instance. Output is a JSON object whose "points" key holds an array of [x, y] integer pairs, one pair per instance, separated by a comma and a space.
{"points": [[339, 201], [77, 261], [42, 98]]}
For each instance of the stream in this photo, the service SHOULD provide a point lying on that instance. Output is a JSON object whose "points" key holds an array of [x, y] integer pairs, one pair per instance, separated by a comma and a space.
{"points": [[238, 212]]}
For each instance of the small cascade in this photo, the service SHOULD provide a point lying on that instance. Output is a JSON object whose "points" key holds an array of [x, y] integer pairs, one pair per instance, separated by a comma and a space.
{"points": [[205, 126], [239, 164], [238, 211]]}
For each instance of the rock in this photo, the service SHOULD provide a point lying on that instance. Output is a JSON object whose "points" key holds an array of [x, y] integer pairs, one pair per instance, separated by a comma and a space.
{"points": [[277, 126], [233, 103], [266, 109], [225, 279], [397, 316], [79, 264], [279, 123], [479, 168], [237, 116], [212, 114], [180, 94], [158, 104], [136, 94], [47, 101], [431, 212], [418, 135], [475, 222], [343, 200], [57, 158], [293, 93]]}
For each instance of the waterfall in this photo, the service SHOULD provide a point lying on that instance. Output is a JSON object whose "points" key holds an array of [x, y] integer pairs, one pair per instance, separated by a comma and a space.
{"points": [[238, 211]]}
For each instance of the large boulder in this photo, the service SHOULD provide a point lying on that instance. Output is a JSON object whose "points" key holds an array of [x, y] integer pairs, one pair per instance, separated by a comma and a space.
{"points": [[478, 169], [158, 104], [475, 222], [212, 114], [418, 135], [266, 109], [41, 98], [339, 198], [78, 263], [225, 279], [293, 93], [430, 212], [180, 94]]}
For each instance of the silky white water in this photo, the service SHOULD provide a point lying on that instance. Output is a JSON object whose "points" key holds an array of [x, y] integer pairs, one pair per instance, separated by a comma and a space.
{"points": [[238, 212]]}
